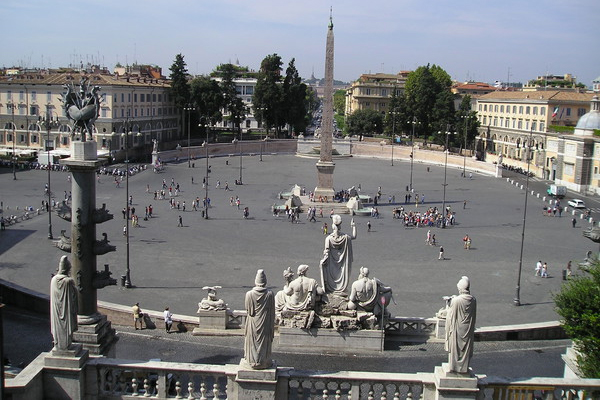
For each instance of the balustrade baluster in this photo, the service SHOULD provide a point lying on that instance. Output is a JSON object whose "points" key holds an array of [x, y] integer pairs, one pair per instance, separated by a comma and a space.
{"points": [[146, 388], [178, 390], [371, 393], [122, 385], [203, 391], [156, 389], [383, 394], [300, 388], [397, 395], [338, 394], [409, 394], [190, 390], [134, 387], [216, 390], [325, 394]]}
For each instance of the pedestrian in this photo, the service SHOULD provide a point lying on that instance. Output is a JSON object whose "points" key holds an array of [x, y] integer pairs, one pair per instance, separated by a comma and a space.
{"points": [[441, 256], [470, 175], [538, 268], [138, 316], [124, 213], [226, 186], [464, 205], [545, 270], [124, 230], [218, 184], [180, 222], [325, 228], [465, 240], [574, 221], [433, 239], [569, 272], [130, 200], [168, 316], [369, 226], [428, 238]]}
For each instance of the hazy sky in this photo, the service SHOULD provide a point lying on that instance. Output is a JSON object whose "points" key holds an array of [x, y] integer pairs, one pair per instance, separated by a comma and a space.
{"points": [[480, 40]]}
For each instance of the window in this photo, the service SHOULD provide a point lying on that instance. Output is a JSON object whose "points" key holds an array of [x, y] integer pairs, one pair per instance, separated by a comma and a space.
{"points": [[48, 97], [33, 95], [33, 110], [495, 121], [141, 112], [65, 140], [526, 125], [135, 113], [543, 110], [9, 137], [21, 95], [542, 126], [534, 125], [496, 108], [568, 112], [34, 138], [485, 107], [129, 97], [368, 92], [520, 124], [501, 109], [568, 169], [514, 109], [135, 97], [520, 109], [21, 138], [22, 110], [527, 110], [122, 97], [480, 107], [248, 122], [159, 97], [501, 122], [104, 112], [384, 92], [142, 97], [484, 120], [9, 95], [580, 112]]}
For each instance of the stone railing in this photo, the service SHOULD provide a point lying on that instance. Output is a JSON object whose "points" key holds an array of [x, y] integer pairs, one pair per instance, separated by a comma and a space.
{"points": [[538, 388], [418, 327], [159, 380], [357, 385], [106, 378]]}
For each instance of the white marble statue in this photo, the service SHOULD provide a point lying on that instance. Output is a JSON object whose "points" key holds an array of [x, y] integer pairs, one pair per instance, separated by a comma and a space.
{"points": [[260, 323], [63, 306], [460, 327], [154, 146], [367, 292], [299, 294], [337, 257], [211, 302]]}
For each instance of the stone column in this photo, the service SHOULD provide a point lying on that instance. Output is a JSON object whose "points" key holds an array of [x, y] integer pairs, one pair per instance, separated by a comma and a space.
{"points": [[94, 331], [453, 385], [325, 166]]}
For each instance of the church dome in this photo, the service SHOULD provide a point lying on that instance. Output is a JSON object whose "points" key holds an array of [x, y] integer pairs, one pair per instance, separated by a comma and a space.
{"points": [[591, 120]]}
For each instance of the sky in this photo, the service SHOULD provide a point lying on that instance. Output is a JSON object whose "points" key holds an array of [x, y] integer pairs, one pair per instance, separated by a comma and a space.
{"points": [[510, 40]]}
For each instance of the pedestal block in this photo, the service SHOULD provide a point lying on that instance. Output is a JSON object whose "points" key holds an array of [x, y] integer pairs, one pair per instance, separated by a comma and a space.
{"points": [[344, 341], [325, 180], [97, 338], [258, 383], [64, 376], [210, 320], [453, 385]]}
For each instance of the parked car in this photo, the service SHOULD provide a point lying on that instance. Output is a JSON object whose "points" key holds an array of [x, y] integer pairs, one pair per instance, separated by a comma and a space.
{"points": [[576, 203]]}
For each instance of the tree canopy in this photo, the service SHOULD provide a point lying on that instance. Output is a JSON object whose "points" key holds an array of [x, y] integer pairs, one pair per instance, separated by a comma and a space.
{"points": [[364, 122], [180, 90], [207, 98], [578, 303], [268, 95], [234, 105], [294, 98]]}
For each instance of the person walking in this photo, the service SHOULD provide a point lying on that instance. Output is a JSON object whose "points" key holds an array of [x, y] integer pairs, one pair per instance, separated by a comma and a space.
{"points": [[441, 256], [168, 316], [569, 271], [545, 270], [574, 222], [138, 316], [180, 223], [369, 226], [538, 268], [325, 228]]}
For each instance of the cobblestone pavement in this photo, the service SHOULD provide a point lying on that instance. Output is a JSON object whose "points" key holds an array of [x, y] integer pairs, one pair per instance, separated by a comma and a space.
{"points": [[27, 334], [169, 264]]}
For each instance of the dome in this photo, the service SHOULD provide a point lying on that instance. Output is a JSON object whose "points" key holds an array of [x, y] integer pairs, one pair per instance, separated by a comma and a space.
{"points": [[591, 120]]}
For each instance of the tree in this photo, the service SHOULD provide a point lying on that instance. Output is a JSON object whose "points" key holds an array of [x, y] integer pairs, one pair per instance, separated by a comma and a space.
{"points": [[180, 90], [464, 111], [268, 94], [339, 102], [207, 98], [429, 99], [294, 99], [397, 117], [578, 303], [364, 122], [233, 105]]}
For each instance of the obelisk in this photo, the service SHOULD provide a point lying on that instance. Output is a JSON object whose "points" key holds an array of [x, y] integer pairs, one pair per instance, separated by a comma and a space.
{"points": [[325, 165]]}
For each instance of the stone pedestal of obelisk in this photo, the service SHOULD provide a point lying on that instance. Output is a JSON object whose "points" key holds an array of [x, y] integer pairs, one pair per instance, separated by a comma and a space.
{"points": [[94, 331], [325, 166]]}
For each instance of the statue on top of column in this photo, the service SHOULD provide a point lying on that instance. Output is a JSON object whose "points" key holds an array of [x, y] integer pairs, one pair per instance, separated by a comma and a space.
{"points": [[82, 107]]}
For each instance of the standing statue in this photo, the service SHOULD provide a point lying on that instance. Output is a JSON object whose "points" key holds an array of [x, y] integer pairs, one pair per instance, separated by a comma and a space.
{"points": [[211, 302], [460, 328], [63, 306], [337, 258], [299, 294], [154, 146], [367, 292], [260, 323], [82, 107]]}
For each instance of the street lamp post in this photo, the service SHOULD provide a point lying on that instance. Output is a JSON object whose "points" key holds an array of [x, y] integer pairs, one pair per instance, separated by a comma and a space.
{"points": [[206, 126], [393, 113], [412, 150], [466, 117], [126, 135], [240, 144], [189, 108], [517, 299], [14, 138], [49, 123], [448, 133]]}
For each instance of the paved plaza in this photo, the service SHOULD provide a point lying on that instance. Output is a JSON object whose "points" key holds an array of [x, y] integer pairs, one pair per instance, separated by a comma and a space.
{"points": [[170, 264]]}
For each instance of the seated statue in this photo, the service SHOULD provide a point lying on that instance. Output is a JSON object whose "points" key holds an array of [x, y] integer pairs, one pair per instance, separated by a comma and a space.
{"points": [[299, 294], [211, 302], [366, 294]]}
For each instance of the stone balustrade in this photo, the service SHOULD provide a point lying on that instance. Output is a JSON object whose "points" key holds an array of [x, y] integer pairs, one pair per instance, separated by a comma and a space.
{"points": [[538, 388]]}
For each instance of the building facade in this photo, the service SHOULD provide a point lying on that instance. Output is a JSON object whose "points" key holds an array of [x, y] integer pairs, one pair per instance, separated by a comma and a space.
{"points": [[244, 88], [139, 105], [541, 124], [374, 91]]}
